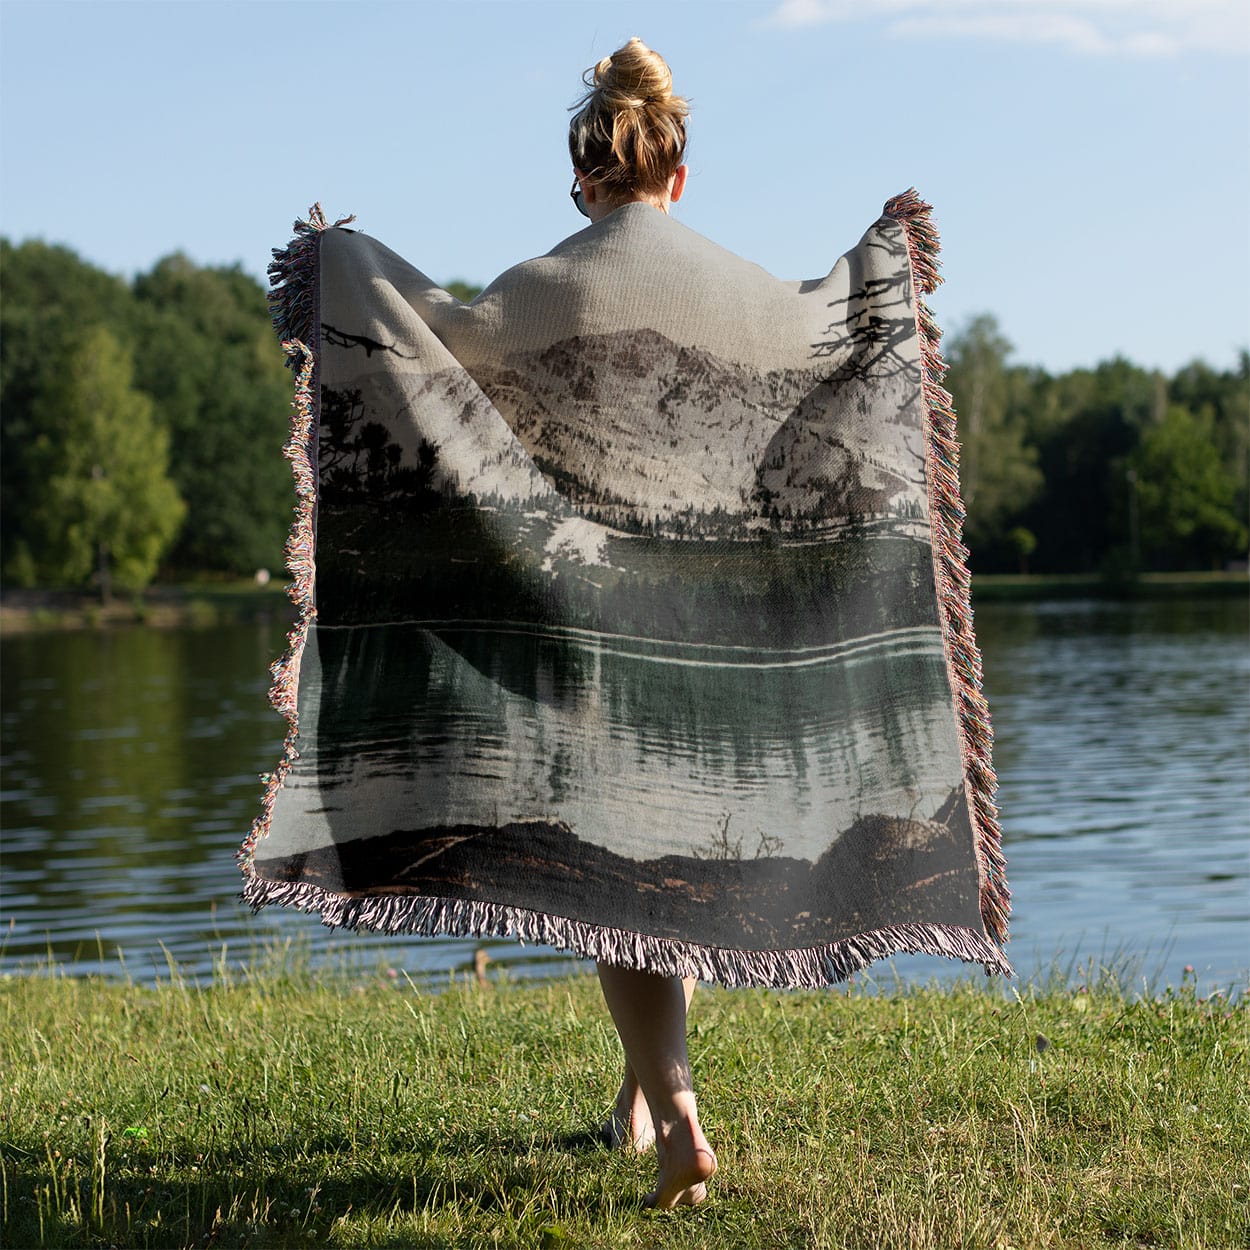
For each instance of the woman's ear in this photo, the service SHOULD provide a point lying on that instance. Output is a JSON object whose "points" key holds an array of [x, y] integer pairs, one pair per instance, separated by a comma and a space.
{"points": [[678, 184]]}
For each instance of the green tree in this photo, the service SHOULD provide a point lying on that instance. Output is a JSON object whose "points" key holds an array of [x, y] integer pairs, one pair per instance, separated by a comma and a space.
{"points": [[51, 296], [103, 505], [208, 357], [1085, 427], [464, 291], [1023, 542], [998, 470], [1186, 494], [1223, 398]]}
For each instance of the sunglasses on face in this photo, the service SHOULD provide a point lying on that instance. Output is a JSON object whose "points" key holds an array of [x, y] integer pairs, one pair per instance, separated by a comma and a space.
{"points": [[576, 196]]}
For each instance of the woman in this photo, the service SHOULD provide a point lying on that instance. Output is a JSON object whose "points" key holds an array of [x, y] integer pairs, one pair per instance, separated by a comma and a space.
{"points": [[634, 619], [627, 141]]}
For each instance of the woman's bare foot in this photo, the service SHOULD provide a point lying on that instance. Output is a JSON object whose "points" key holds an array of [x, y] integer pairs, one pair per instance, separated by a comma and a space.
{"points": [[686, 1165], [629, 1125], [621, 1133], [649, 1011]]}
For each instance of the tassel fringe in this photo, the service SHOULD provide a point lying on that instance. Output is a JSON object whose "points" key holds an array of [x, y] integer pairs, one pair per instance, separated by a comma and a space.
{"points": [[810, 968], [294, 302], [950, 563], [294, 295]]}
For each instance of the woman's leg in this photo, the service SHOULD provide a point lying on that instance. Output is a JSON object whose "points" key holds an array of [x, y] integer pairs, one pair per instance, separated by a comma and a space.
{"points": [[650, 1015], [629, 1124]]}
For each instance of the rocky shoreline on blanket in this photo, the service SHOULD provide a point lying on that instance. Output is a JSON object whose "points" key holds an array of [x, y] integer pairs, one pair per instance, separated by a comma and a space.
{"points": [[882, 871]]}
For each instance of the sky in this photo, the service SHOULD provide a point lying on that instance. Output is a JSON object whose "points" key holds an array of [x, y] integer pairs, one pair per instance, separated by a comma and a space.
{"points": [[1088, 160]]}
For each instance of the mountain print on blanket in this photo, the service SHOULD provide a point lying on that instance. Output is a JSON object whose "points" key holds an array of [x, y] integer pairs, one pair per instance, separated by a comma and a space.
{"points": [[538, 484], [626, 632]]}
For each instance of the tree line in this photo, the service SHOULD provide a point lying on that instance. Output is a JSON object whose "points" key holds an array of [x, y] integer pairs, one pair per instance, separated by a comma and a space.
{"points": [[142, 423], [1114, 470]]}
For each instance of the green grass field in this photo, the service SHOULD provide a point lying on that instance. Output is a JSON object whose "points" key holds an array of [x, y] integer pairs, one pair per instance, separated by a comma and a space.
{"points": [[283, 1108]]}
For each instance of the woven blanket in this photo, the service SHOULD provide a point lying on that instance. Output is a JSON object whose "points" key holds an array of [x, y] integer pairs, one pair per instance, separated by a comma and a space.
{"points": [[633, 614]]}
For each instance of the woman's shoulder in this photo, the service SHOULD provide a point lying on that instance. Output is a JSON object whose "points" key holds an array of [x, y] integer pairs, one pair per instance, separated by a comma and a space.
{"points": [[635, 247], [640, 268]]}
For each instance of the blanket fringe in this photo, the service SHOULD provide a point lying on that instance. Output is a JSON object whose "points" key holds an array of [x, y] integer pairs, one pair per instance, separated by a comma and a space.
{"points": [[954, 585], [809, 968], [294, 304], [294, 295]]}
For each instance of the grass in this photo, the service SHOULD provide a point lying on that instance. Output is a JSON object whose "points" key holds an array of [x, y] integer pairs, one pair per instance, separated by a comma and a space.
{"points": [[291, 1108]]}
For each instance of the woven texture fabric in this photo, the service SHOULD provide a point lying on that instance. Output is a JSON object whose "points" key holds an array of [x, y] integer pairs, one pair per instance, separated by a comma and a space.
{"points": [[633, 613]]}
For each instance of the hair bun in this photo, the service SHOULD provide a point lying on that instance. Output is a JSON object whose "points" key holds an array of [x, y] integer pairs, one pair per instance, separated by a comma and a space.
{"points": [[633, 77], [629, 131]]}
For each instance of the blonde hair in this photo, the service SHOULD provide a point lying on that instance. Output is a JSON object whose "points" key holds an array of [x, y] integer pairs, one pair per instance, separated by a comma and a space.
{"points": [[629, 133]]}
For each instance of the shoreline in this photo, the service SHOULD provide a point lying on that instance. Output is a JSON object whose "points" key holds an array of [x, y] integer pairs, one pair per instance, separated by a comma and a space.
{"points": [[172, 606], [1010, 587], [206, 604]]}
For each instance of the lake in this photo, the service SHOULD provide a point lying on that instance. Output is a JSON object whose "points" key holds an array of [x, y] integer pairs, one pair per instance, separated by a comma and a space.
{"points": [[130, 775]]}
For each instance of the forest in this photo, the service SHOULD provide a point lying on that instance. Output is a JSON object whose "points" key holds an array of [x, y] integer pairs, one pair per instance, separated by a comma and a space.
{"points": [[143, 421]]}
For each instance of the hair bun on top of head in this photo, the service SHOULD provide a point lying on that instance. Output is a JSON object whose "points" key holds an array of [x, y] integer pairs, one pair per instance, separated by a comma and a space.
{"points": [[632, 77], [629, 132]]}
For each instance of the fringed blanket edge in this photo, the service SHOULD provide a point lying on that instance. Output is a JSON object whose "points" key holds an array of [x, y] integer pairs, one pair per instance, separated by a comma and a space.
{"points": [[294, 304], [807, 968], [950, 565]]}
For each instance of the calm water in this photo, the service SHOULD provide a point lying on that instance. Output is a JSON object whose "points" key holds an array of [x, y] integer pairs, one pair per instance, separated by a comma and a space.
{"points": [[130, 762]]}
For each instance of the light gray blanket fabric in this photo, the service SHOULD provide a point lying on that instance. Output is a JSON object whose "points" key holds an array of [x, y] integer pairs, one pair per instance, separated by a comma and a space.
{"points": [[634, 618]]}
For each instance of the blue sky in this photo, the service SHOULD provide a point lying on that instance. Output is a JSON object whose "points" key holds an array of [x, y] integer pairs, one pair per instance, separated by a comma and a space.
{"points": [[1088, 160]]}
